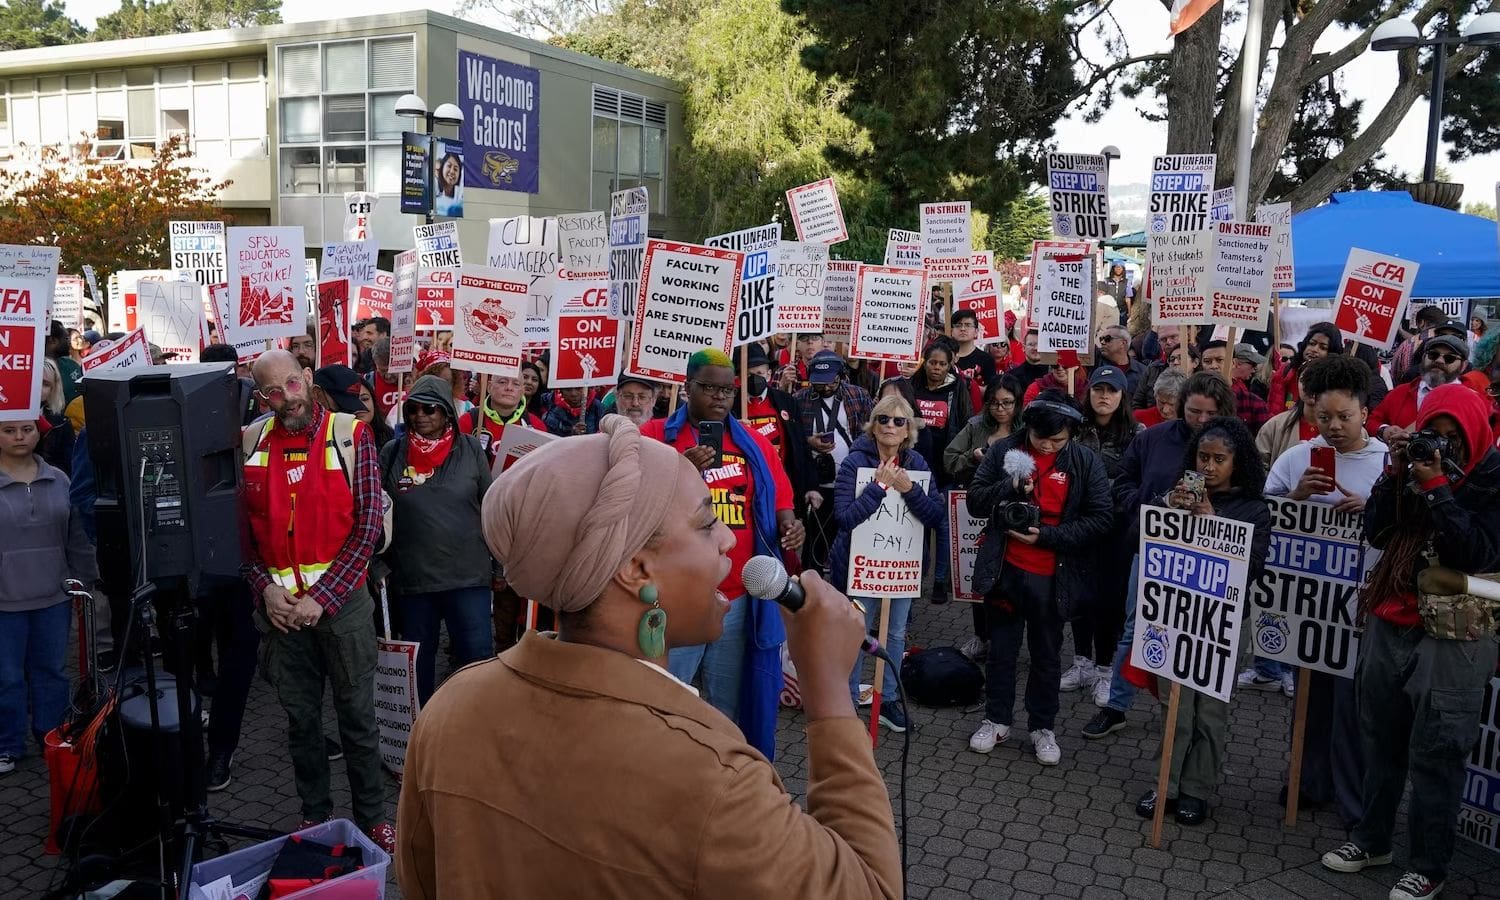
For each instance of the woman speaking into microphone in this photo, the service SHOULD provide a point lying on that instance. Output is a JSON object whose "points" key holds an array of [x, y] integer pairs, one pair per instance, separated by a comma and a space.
{"points": [[575, 765]]}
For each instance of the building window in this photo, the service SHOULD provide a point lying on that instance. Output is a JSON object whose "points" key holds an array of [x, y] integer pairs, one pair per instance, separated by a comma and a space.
{"points": [[339, 129], [629, 146]]}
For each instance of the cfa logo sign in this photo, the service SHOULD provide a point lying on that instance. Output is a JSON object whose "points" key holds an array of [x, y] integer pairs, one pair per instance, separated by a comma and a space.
{"points": [[1388, 271]]}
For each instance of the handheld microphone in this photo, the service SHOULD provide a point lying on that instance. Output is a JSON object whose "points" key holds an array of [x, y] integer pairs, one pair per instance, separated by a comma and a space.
{"points": [[765, 577]]}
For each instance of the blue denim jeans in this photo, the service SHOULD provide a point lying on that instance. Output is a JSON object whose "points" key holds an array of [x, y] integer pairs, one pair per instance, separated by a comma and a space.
{"points": [[33, 674], [723, 662], [894, 643], [1122, 692], [467, 612], [1269, 668], [940, 565]]}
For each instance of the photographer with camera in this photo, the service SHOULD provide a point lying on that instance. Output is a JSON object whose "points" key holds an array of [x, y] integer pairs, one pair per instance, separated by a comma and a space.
{"points": [[1049, 501], [1429, 645]]}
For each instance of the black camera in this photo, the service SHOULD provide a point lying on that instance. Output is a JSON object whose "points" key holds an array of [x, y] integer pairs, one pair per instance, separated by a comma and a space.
{"points": [[1018, 515], [1425, 445]]}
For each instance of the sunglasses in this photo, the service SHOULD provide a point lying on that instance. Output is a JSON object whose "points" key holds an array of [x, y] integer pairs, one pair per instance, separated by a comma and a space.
{"points": [[898, 421], [1448, 359], [426, 409]]}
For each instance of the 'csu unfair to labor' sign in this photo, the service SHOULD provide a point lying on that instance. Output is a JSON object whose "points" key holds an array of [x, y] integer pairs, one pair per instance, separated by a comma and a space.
{"points": [[1079, 188], [501, 103], [1479, 806], [1304, 603], [756, 317], [1190, 594]]}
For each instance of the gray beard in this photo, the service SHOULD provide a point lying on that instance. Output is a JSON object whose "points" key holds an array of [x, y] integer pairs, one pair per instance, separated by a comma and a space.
{"points": [[1437, 378]]}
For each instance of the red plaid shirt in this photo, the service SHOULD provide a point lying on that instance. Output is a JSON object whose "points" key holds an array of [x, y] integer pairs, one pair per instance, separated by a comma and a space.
{"points": [[353, 559], [1252, 410]]}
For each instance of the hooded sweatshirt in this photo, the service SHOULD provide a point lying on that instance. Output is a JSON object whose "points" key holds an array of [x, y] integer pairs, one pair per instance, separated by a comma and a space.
{"points": [[1356, 471], [44, 541], [944, 410], [436, 543]]}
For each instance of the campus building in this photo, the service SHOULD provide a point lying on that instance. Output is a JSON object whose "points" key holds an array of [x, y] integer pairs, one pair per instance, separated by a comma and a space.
{"points": [[298, 115]]}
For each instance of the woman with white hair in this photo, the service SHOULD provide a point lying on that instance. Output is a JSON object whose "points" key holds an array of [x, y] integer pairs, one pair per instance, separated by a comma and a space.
{"points": [[886, 447], [56, 444]]}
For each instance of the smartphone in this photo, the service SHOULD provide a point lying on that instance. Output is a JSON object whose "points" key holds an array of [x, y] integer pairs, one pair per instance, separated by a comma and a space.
{"points": [[1192, 482], [1325, 458], [711, 434]]}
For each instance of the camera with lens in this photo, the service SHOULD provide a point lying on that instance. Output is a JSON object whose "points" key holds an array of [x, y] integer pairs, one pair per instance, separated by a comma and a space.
{"points": [[1018, 515], [1425, 446]]}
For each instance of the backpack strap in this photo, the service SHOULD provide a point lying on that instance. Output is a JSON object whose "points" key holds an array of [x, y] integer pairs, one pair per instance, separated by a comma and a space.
{"points": [[343, 440], [253, 434]]}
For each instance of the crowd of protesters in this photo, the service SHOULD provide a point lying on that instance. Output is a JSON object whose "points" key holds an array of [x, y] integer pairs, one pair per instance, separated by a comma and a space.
{"points": [[383, 476]]}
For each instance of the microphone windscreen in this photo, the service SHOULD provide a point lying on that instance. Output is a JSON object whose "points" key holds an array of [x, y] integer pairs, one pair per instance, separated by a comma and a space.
{"points": [[764, 577], [1019, 464]]}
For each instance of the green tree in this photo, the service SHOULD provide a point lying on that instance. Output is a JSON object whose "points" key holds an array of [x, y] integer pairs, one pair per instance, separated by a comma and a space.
{"points": [[145, 18], [25, 24], [1482, 210], [1027, 218]]}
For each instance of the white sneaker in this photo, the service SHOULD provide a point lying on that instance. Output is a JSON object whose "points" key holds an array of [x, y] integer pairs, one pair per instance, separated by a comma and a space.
{"points": [[1256, 682], [988, 735], [1289, 684], [1101, 688], [7, 765], [1082, 674], [1047, 751]]}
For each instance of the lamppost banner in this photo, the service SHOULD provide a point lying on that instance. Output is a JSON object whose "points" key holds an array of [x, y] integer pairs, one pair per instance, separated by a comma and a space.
{"points": [[502, 104]]}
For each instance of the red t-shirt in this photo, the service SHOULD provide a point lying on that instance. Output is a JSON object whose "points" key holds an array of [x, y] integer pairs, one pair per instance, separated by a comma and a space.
{"points": [[766, 420], [1149, 416], [386, 393], [732, 490], [933, 412], [1051, 492]]}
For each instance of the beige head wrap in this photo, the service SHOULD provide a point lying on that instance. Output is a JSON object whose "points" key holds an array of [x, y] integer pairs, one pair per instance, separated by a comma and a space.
{"points": [[566, 517]]}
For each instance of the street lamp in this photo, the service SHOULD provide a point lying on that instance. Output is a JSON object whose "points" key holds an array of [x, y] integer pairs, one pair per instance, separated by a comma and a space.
{"points": [[1403, 34], [414, 107], [1110, 154]]}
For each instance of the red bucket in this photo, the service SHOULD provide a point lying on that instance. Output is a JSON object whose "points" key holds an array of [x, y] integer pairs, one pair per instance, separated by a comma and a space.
{"points": [[73, 781]]}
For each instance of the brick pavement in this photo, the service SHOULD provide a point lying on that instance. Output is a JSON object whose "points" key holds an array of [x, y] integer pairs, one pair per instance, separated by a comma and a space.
{"points": [[981, 826]]}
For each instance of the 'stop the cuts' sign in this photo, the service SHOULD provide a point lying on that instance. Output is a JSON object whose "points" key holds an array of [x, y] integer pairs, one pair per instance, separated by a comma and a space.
{"points": [[501, 103]]}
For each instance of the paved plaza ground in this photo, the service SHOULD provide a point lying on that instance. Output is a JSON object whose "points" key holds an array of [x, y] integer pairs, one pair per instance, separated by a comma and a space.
{"points": [[980, 826]]}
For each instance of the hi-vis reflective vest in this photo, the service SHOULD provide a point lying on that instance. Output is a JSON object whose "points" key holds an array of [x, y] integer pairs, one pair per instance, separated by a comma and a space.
{"points": [[298, 498]]}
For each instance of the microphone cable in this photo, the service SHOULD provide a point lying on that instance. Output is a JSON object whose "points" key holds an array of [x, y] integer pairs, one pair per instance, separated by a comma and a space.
{"points": [[905, 753]]}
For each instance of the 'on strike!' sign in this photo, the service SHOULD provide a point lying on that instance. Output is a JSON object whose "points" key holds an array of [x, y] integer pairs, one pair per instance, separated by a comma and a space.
{"points": [[885, 550], [1371, 294], [1191, 590]]}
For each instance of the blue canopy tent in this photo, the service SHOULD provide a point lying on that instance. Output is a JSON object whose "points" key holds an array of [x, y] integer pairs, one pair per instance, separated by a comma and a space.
{"points": [[1459, 255]]}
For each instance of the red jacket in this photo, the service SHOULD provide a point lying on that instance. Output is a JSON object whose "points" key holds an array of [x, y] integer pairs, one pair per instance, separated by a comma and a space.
{"points": [[1399, 407]]}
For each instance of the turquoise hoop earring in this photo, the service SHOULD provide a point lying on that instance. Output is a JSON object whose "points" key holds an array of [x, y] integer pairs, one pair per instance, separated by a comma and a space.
{"points": [[651, 634]]}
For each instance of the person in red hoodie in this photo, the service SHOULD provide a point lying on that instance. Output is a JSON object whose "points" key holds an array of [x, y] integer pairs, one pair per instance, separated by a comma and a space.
{"points": [[1420, 688], [1442, 359]]}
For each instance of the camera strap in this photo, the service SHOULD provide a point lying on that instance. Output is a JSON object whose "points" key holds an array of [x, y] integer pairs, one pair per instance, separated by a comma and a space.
{"points": [[826, 418]]}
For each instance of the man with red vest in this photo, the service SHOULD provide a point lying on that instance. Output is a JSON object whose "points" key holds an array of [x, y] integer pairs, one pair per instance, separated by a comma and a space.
{"points": [[313, 526]]}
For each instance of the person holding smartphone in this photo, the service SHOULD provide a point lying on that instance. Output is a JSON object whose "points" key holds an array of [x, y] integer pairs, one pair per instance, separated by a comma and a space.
{"points": [[1339, 467], [750, 493]]}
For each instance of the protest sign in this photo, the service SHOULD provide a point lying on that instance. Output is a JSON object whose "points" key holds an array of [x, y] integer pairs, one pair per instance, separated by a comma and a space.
{"points": [[801, 267], [267, 278], [980, 292], [23, 341], [840, 285], [888, 307], [218, 301], [1190, 595], [756, 317], [947, 247], [1279, 215], [628, 213], [903, 249], [488, 308], [334, 348], [514, 444], [28, 261], [1454, 308], [1179, 280], [396, 703], [528, 244], [1041, 251], [1306, 601], [1079, 188], [437, 245], [404, 313], [967, 530], [310, 284], [435, 298], [67, 301], [374, 299], [1065, 312], [354, 260], [198, 251], [130, 350], [1181, 193], [1371, 294], [688, 301], [123, 287], [359, 206], [93, 283], [502, 126], [1479, 804], [817, 216], [1240, 274], [588, 340], [171, 312], [885, 550], [583, 245], [1221, 206]]}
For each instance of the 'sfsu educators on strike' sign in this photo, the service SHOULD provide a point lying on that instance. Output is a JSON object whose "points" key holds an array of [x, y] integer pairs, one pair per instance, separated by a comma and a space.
{"points": [[22, 343], [688, 300], [267, 275]]}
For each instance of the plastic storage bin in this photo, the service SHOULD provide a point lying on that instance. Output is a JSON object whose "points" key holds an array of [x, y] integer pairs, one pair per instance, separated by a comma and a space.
{"points": [[366, 884]]}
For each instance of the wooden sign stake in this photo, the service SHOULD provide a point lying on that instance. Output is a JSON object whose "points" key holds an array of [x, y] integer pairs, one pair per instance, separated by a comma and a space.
{"points": [[1168, 738], [885, 621], [1299, 737]]}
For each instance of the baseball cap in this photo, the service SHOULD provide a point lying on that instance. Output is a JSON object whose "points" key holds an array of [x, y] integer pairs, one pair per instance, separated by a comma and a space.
{"points": [[341, 384], [1248, 353], [1108, 375], [825, 368], [1454, 327], [1456, 344], [627, 378]]}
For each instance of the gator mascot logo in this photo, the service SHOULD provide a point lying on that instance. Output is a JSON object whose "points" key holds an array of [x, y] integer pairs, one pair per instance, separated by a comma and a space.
{"points": [[1271, 632], [499, 167]]}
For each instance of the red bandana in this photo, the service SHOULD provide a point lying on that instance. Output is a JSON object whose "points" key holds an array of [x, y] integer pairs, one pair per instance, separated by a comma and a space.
{"points": [[425, 455]]}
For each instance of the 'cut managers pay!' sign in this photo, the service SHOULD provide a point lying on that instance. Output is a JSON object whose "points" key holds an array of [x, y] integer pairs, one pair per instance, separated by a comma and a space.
{"points": [[1191, 591]]}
